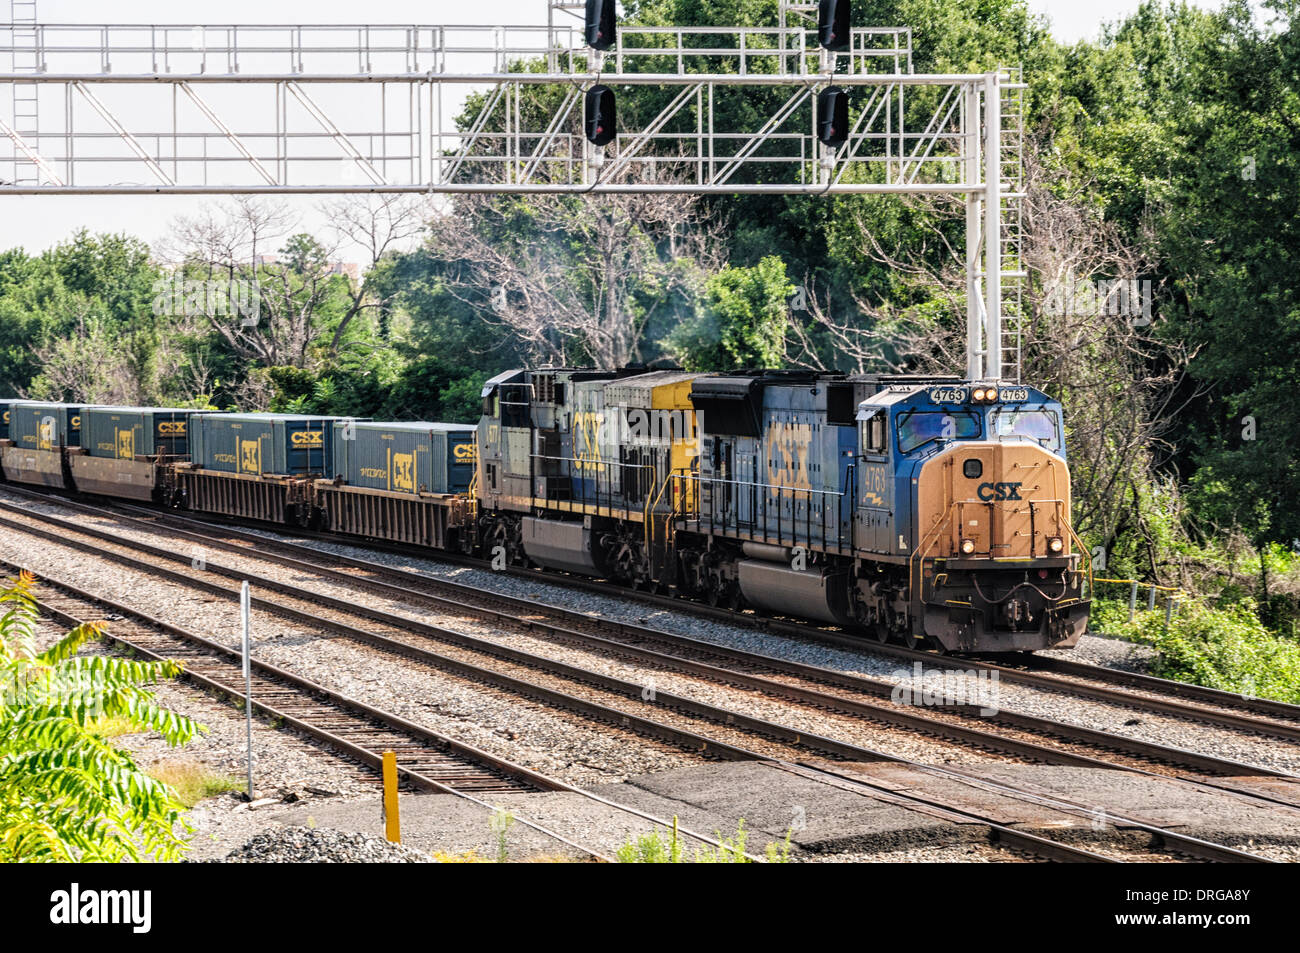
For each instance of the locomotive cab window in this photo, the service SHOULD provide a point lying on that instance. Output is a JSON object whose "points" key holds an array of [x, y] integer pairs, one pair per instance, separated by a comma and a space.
{"points": [[917, 428], [872, 434], [1038, 425]]}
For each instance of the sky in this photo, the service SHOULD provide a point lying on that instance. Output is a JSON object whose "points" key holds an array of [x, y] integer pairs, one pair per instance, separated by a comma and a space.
{"points": [[38, 222]]}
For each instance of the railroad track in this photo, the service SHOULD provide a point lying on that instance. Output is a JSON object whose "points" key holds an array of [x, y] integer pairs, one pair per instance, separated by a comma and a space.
{"points": [[800, 740], [1018, 735], [429, 761], [1139, 692], [357, 732], [360, 732]]}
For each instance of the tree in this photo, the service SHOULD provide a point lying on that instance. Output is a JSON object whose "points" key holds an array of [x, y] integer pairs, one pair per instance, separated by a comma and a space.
{"points": [[379, 224], [47, 299], [65, 793], [575, 279], [1117, 374], [266, 310], [743, 321]]}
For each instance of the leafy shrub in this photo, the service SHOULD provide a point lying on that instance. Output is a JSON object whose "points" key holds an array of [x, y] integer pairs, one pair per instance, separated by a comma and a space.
{"points": [[1226, 647], [66, 794]]}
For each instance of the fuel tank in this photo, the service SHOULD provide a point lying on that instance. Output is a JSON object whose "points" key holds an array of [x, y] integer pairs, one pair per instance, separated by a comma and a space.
{"points": [[807, 593]]}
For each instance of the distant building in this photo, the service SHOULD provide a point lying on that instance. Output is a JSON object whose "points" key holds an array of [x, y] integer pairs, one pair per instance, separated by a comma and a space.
{"points": [[351, 269]]}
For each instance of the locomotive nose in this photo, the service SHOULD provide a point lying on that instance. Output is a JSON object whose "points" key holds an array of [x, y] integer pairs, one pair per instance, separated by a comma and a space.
{"points": [[996, 570], [996, 501]]}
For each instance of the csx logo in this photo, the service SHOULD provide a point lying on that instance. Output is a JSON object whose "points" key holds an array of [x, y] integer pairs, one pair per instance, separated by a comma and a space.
{"points": [[404, 472], [989, 492], [465, 452], [250, 456], [75, 423], [171, 428], [308, 438]]}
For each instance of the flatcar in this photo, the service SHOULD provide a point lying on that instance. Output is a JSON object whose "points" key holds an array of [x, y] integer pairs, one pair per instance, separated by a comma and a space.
{"points": [[928, 511]]}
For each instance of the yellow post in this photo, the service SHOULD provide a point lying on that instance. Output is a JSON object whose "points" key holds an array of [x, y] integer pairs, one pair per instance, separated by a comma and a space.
{"points": [[392, 822]]}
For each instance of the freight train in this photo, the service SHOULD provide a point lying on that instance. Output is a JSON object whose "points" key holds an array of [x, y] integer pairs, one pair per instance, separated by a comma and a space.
{"points": [[928, 511]]}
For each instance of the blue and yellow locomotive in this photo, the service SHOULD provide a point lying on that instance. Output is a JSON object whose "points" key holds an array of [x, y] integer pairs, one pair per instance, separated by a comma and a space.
{"points": [[922, 510]]}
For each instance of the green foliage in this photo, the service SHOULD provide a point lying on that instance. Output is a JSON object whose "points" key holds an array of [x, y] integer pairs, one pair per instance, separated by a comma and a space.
{"points": [[66, 794], [743, 323], [652, 848], [1224, 646], [658, 848], [192, 781], [106, 280], [500, 822]]}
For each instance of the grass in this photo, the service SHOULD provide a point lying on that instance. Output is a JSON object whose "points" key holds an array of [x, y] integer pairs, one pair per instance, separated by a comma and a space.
{"points": [[500, 823], [193, 780], [656, 848], [465, 857], [112, 726]]}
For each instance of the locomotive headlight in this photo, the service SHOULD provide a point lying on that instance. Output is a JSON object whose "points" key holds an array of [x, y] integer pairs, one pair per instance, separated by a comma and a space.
{"points": [[978, 395], [1055, 544], [967, 547]]}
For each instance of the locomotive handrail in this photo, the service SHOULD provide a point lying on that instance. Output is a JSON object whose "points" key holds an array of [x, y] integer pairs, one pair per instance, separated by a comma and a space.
{"points": [[926, 541], [938, 527], [807, 492], [599, 465]]}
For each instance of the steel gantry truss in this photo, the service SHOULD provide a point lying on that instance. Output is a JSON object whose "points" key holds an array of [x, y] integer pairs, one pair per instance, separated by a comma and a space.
{"points": [[184, 109]]}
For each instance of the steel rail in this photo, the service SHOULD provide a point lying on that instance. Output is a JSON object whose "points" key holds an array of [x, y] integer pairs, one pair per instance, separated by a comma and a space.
{"points": [[721, 715], [525, 778], [1148, 751], [1010, 674]]}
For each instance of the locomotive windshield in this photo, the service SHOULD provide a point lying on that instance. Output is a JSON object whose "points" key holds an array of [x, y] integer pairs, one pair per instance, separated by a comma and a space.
{"points": [[1039, 425], [919, 427]]}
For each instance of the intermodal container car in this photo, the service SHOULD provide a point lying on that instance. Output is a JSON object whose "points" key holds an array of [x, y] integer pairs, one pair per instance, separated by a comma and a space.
{"points": [[37, 425], [124, 433], [418, 457], [256, 444]]}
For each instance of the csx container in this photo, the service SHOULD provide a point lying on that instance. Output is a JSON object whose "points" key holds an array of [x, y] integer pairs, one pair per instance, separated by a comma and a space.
{"points": [[37, 425], [411, 458], [124, 433], [6, 409], [256, 444]]}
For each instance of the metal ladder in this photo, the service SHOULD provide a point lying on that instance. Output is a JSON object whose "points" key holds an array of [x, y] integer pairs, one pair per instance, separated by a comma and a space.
{"points": [[25, 99], [1012, 273]]}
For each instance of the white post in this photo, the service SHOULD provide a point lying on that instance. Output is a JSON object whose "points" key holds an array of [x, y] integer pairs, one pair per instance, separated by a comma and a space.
{"points": [[971, 172], [245, 613], [992, 228]]}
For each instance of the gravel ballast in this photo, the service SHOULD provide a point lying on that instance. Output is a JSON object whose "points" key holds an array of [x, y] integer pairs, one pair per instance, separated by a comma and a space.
{"points": [[535, 736], [309, 845], [1222, 742]]}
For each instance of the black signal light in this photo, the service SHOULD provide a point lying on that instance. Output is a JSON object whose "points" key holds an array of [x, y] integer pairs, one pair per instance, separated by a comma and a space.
{"points": [[833, 24], [833, 116], [600, 116], [600, 24]]}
